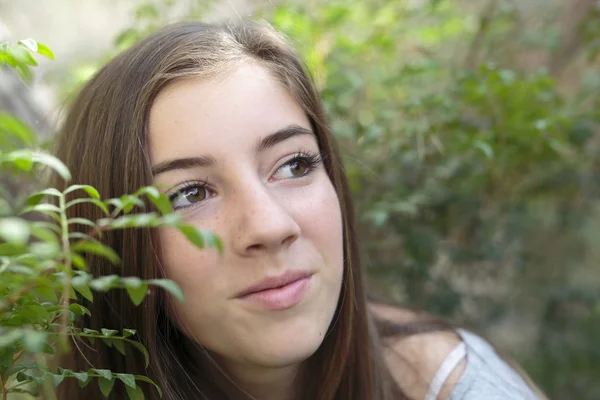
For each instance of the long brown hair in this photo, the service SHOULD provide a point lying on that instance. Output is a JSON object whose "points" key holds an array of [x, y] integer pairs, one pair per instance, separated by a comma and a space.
{"points": [[104, 143]]}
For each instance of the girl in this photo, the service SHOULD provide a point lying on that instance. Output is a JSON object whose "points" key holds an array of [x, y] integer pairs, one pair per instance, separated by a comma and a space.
{"points": [[226, 119]]}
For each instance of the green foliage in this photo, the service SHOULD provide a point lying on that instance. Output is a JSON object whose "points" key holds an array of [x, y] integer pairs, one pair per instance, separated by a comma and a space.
{"points": [[473, 176], [42, 263], [21, 55]]}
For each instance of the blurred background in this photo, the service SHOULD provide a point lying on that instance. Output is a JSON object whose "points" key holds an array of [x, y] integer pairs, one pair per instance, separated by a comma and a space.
{"points": [[470, 133]]}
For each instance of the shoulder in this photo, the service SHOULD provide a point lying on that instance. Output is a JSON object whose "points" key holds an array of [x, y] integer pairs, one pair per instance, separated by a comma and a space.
{"points": [[471, 369], [488, 375], [414, 360]]}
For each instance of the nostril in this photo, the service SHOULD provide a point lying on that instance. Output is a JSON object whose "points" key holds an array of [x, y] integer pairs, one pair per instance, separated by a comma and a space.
{"points": [[256, 247]]}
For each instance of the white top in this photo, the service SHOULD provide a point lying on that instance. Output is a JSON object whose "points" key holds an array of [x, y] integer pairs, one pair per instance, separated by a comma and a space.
{"points": [[486, 375]]}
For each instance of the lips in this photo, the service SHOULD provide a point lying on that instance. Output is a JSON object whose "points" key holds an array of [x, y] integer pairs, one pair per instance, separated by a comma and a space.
{"points": [[275, 282], [277, 293]]}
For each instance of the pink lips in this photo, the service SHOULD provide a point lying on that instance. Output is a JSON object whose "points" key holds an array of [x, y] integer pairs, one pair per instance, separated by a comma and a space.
{"points": [[278, 293]]}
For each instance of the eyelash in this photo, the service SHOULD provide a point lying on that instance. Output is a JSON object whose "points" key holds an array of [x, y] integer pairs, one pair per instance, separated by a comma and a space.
{"points": [[312, 159]]}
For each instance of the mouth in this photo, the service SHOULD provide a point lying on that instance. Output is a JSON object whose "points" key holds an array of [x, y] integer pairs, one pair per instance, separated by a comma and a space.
{"points": [[277, 293]]}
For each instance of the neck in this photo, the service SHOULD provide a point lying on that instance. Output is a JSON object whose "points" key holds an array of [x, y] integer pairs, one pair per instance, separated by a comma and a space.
{"points": [[265, 383]]}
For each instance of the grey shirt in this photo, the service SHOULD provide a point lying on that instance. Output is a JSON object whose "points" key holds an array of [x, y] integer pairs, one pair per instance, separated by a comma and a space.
{"points": [[485, 377]]}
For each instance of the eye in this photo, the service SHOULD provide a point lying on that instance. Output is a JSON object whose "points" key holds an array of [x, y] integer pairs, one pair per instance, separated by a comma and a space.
{"points": [[189, 195], [299, 166]]}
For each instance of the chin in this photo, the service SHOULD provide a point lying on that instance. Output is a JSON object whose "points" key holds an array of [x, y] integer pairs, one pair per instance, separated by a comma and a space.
{"points": [[283, 350]]}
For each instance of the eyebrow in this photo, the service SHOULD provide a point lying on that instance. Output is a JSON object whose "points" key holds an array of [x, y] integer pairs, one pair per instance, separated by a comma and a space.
{"points": [[208, 161]]}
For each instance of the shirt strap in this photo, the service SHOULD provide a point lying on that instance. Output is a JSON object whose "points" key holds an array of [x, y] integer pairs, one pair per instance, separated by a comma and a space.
{"points": [[448, 365]]}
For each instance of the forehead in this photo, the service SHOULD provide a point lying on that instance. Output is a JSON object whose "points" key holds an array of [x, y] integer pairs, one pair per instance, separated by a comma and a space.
{"points": [[220, 114]]}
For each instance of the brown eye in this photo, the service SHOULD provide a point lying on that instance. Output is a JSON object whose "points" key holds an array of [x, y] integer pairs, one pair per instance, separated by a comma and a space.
{"points": [[298, 167], [195, 194], [189, 196]]}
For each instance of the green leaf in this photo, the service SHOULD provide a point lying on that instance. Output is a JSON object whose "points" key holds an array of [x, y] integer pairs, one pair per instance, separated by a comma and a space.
{"points": [[80, 284], [106, 385], [79, 309], [6, 339], [108, 332], [34, 199], [79, 262], [9, 124], [57, 379], [46, 293], [12, 249], [135, 393], [82, 377], [51, 192], [22, 159], [97, 248], [34, 341], [169, 286], [104, 373], [129, 332], [131, 201], [43, 208], [136, 289], [82, 221], [90, 190], [30, 44], [44, 232], [32, 392], [119, 345], [159, 199], [142, 349], [127, 379], [23, 376], [52, 162], [104, 283], [96, 202], [200, 237], [14, 230], [150, 381], [131, 221], [45, 51], [485, 148]]}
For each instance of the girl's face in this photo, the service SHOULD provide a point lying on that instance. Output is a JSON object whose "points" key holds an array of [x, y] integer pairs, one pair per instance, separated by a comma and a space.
{"points": [[237, 156]]}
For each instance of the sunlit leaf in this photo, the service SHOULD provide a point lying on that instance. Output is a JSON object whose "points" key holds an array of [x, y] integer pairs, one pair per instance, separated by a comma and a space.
{"points": [[91, 191], [45, 51], [79, 309], [104, 373], [97, 248], [200, 237], [52, 162], [129, 332], [169, 286], [105, 283], [159, 199], [108, 332], [96, 202], [127, 379], [136, 289], [30, 44], [14, 230], [34, 341]]}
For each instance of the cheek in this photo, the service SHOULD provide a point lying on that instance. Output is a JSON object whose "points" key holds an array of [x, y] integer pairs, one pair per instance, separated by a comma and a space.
{"points": [[194, 270], [322, 223]]}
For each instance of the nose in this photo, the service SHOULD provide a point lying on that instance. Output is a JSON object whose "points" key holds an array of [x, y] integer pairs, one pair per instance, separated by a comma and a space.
{"points": [[263, 221]]}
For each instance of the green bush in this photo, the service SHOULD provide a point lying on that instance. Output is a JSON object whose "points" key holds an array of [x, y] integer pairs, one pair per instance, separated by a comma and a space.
{"points": [[43, 269]]}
